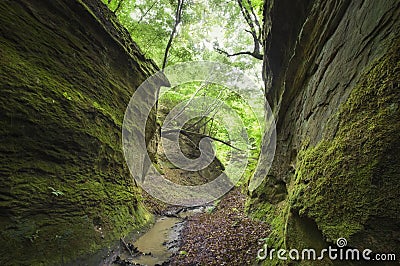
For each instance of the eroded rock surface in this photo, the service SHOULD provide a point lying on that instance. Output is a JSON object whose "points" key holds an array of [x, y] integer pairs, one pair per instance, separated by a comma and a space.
{"points": [[68, 70], [332, 77]]}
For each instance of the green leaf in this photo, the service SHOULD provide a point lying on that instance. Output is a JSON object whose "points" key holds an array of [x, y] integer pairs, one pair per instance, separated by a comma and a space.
{"points": [[183, 252]]}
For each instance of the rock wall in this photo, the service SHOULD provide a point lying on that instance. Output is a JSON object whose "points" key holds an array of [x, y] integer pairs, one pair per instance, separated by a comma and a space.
{"points": [[68, 70], [332, 78]]}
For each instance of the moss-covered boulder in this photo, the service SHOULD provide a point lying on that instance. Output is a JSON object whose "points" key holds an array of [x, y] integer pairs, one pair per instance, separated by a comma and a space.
{"points": [[68, 70]]}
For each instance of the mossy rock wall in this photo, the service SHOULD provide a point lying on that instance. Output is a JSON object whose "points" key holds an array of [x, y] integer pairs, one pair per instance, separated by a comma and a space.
{"points": [[68, 70], [332, 76]]}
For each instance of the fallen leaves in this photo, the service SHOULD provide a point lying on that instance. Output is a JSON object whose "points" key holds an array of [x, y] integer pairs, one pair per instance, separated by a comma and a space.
{"points": [[226, 236]]}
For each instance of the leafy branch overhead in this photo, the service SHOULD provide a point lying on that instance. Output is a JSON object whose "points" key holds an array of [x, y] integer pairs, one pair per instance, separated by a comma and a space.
{"points": [[206, 120], [119, 5], [178, 15], [251, 18]]}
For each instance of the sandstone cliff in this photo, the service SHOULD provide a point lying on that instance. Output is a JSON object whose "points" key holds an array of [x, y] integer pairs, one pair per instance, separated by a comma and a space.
{"points": [[68, 70], [332, 77]]}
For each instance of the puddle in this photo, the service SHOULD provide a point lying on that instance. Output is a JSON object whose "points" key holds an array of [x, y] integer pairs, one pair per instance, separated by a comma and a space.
{"points": [[154, 247], [162, 239], [154, 242]]}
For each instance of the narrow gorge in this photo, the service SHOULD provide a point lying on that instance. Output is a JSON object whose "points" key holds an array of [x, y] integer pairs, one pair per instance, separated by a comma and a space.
{"points": [[330, 72]]}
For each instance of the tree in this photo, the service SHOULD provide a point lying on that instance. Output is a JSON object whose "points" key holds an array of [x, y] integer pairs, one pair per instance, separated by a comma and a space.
{"points": [[194, 29], [178, 15], [255, 30], [172, 31]]}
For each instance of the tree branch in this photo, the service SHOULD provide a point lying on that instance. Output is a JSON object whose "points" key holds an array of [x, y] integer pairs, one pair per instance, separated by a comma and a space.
{"points": [[178, 14], [211, 108], [191, 133], [126, 246], [256, 21], [197, 123], [253, 54], [118, 6], [246, 15], [249, 17], [186, 105], [147, 11]]}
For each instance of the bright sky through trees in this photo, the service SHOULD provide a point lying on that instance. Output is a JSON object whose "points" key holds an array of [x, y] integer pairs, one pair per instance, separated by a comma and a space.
{"points": [[206, 25], [208, 30]]}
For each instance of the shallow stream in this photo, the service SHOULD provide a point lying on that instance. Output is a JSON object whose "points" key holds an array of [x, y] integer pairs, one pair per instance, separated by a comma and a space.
{"points": [[153, 247], [154, 242]]}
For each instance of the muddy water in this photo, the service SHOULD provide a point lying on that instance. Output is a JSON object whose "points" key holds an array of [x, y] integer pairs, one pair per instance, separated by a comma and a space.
{"points": [[155, 245], [152, 242], [162, 239]]}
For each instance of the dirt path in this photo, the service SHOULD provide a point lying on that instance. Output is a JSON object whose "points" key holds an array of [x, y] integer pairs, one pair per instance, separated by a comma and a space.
{"points": [[197, 236], [225, 236]]}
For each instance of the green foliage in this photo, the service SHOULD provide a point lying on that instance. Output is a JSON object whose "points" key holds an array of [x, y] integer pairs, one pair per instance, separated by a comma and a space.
{"points": [[210, 209], [56, 192], [150, 24], [65, 94], [205, 25], [215, 127]]}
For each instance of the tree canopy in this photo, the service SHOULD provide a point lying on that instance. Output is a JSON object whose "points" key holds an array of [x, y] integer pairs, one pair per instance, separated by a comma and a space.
{"points": [[229, 32], [206, 28]]}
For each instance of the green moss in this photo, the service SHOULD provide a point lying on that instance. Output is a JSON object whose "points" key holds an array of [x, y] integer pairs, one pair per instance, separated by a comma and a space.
{"points": [[347, 185], [276, 216], [343, 182], [62, 103]]}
